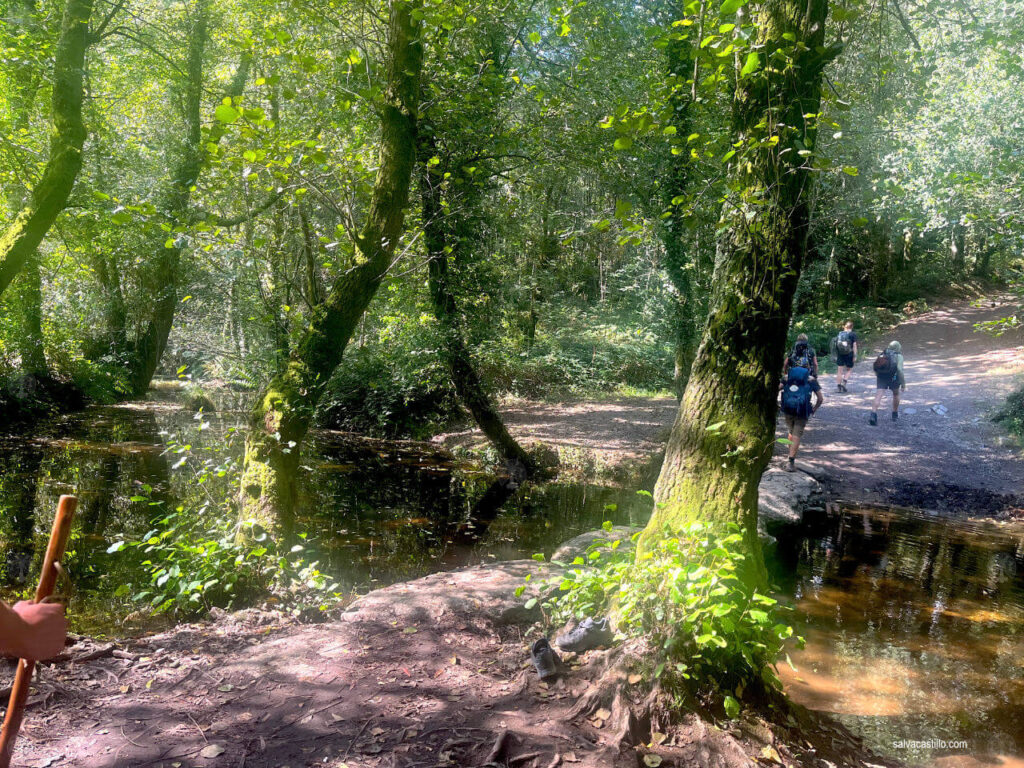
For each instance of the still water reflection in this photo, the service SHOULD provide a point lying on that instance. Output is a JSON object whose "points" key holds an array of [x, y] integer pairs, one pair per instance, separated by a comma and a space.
{"points": [[376, 512], [915, 633]]}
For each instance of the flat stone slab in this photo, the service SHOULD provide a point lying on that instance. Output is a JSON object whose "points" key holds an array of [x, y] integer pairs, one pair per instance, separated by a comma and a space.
{"points": [[479, 590], [578, 545], [783, 496]]}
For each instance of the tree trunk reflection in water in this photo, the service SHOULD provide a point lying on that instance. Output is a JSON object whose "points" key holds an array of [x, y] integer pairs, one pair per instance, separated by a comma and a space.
{"points": [[19, 481]]}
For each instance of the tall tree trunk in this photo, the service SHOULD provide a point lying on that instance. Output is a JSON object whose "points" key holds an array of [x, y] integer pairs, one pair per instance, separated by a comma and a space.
{"points": [[50, 194], [33, 353], [984, 258], [680, 61], [441, 247], [149, 347], [724, 432], [25, 80], [284, 411]]}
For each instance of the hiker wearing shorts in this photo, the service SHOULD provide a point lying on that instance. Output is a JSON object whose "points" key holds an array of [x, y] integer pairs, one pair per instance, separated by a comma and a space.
{"points": [[797, 388], [802, 356], [846, 354], [888, 375]]}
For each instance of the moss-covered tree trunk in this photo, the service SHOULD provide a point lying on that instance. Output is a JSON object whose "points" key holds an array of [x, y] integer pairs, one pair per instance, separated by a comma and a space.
{"points": [[148, 348], [284, 411], [724, 432], [679, 59], [50, 194], [442, 244], [25, 80]]}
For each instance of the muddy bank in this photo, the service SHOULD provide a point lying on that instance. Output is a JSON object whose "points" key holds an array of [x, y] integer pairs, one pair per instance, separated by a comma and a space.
{"points": [[425, 673]]}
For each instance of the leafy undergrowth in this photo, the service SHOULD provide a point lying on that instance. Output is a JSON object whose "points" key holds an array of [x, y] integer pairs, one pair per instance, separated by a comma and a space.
{"points": [[709, 634], [1011, 415], [198, 554]]}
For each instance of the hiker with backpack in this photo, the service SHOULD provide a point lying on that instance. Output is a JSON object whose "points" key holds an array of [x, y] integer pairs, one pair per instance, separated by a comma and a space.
{"points": [[802, 356], [846, 354], [797, 389], [888, 375]]}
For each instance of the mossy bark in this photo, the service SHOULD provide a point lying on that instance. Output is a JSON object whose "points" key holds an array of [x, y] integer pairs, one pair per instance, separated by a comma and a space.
{"points": [[724, 432], [25, 81], [50, 194], [442, 241], [284, 411], [31, 344], [147, 349], [679, 60]]}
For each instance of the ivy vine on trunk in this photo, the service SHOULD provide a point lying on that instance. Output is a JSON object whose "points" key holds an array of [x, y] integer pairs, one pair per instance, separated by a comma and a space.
{"points": [[724, 432]]}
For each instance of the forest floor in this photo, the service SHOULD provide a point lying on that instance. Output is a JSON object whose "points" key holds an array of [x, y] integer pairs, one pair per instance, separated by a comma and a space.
{"points": [[953, 462], [424, 674]]}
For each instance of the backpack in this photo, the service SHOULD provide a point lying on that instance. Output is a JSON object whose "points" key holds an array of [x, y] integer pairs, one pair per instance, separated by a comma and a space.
{"points": [[843, 344], [796, 393], [802, 357], [885, 365]]}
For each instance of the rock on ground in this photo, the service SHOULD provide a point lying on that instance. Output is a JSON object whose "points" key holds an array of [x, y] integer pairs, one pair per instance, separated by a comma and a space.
{"points": [[783, 497]]}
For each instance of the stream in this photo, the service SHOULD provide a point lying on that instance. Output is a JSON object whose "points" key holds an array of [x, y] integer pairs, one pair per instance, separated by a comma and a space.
{"points": [[913, 623]]}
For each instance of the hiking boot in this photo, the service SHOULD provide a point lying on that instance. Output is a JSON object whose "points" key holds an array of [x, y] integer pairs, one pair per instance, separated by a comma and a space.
{"points": [[873, 419], [840, 388], [895, 415], [791, 465], [544, 659], [588, 634]]}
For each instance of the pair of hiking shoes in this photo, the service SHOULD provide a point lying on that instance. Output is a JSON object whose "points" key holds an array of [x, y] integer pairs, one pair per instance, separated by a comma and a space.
{"points": [[873, 418], [588, 634], [842, 388]]}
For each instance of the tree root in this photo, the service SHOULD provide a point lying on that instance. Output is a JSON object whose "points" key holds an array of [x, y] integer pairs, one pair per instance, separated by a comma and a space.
{"points": [[629, 722]]}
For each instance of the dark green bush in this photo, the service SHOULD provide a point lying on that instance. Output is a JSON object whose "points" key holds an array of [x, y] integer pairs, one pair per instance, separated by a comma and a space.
{"points": [[401, 394], [1011, 415]]}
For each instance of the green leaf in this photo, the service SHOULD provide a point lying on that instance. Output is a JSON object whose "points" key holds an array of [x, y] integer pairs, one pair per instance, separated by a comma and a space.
{"points": [[534, 37], [850, 170], [623, 143], [225, 113], [731, 6], [732, 707], [752, 65], [528, 605]]}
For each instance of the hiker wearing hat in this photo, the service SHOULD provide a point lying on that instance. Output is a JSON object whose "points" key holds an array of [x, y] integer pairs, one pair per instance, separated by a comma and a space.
{"points": [[888, 375]]}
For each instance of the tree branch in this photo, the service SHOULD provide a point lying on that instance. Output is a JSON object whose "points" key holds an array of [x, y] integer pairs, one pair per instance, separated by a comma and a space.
{"points": [[219, 220]]}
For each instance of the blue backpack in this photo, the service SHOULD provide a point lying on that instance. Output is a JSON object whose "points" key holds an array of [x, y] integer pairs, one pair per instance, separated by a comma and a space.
{"points": [[796, 393]]}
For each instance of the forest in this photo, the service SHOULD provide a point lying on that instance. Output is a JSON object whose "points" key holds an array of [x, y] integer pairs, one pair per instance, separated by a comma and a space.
{"points": [[317, 305]]}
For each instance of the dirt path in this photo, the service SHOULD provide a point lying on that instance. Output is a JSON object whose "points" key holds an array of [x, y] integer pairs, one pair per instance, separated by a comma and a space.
{"points": [[615, 432], [959, 461]]}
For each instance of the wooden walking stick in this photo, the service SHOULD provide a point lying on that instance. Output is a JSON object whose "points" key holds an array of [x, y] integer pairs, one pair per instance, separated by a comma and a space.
{"points": [[47, 581]]}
